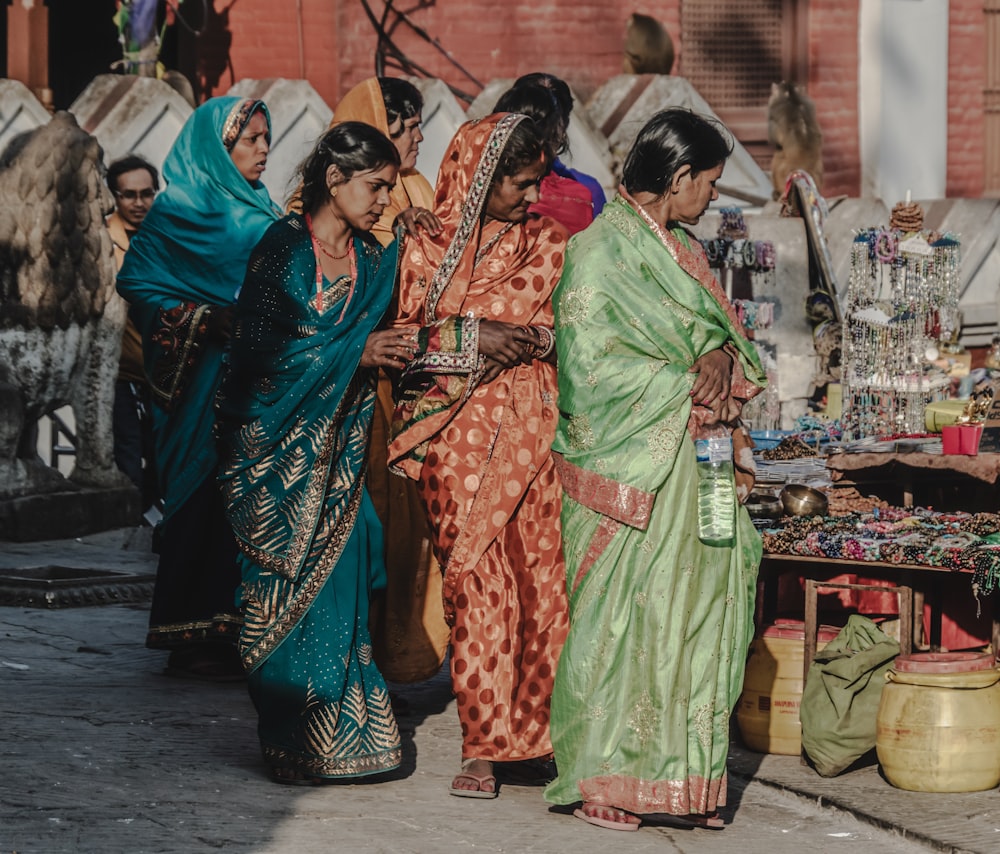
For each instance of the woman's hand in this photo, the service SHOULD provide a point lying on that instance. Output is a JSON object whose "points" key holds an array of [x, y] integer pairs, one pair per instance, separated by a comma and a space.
{"points": [[412, 218], [493, 370], [711, 386], [505, 344], [389, 348]]}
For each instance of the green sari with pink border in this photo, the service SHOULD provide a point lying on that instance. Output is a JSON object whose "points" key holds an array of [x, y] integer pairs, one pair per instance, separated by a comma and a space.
{"points": [[659, 622]]}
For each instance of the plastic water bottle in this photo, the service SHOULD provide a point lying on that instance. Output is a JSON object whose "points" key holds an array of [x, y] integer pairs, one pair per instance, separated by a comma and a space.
{"points": [[716, 491]]}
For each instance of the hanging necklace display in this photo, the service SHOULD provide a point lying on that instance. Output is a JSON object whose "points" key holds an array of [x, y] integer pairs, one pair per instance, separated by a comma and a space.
{"points": [[902, 301], [732, 249]]}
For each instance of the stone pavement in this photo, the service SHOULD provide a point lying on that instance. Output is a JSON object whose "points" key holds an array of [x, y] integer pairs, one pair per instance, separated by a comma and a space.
{"points": [[100, 752]]}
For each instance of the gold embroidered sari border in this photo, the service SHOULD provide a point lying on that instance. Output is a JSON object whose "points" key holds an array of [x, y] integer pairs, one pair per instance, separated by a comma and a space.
{"points": [[306, 593], [349, 766]]}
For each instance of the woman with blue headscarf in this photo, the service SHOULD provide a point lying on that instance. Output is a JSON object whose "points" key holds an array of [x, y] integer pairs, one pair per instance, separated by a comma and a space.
{"points": [[181, 277]]}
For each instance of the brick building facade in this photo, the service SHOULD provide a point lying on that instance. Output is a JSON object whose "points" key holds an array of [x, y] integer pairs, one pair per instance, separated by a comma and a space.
{"points": [[581, 41], [332, 43]]}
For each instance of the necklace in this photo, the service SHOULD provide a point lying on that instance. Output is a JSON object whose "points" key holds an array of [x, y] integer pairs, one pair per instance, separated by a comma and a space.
{"points": [[325, 251], [317, 249]]}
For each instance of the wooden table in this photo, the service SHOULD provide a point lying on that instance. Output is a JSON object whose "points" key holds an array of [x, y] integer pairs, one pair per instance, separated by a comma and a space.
{"points": [[926, 582], [945, 481]]}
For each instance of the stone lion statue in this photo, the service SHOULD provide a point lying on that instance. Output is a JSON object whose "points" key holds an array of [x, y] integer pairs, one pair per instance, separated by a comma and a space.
{"points": [[60, 317]]}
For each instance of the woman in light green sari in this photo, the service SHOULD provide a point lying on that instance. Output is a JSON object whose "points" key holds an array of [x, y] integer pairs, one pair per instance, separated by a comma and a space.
{"points": [[650, 354]]}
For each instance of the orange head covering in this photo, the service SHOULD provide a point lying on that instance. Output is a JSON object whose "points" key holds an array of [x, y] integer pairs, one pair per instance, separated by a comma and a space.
{"points": [[470, 258], [364, 103]]}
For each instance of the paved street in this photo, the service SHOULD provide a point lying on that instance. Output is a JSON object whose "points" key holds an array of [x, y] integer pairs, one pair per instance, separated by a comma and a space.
{"points": [[101, 753]]}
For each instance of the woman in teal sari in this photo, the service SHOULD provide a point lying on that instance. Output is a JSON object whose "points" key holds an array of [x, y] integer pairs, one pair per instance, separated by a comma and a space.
{"points": [[650, 354], [295, 412], [181, 275]]}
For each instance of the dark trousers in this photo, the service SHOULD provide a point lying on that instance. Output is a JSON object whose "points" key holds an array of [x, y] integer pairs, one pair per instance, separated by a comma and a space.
{"points": [[132, 426]]}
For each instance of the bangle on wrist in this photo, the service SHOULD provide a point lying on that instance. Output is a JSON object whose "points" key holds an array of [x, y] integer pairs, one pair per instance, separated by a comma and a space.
{"points": [[547, 342]]}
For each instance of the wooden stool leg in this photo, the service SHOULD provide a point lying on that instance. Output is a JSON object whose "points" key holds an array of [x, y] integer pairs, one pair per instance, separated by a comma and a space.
{"points": [[811, 631], [905, 619]]}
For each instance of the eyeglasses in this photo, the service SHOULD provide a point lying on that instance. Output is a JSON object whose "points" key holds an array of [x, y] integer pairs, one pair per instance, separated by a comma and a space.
{"points": [[132, 195]]}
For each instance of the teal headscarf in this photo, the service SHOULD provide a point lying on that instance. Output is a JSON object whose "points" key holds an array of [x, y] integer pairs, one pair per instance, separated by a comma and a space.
{"points": [[193, 247], [196, 239]]}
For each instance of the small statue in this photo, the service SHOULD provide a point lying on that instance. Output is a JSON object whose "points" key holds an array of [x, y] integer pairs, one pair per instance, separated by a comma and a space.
{"points": [[60, 317], [794, 132]]}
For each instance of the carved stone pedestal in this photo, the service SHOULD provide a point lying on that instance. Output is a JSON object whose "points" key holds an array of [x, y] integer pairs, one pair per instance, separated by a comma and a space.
{"points": [[72, 513]]}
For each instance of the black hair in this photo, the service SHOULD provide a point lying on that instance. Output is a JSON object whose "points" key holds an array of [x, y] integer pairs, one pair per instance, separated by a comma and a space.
{"points": [[351, 147], [130, 163], [401, 98], [525, 146], [560, 91], [540, 105], [672, 139]]}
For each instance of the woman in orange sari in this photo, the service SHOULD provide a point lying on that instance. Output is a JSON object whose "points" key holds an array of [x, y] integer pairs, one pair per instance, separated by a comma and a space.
{"points": [[473, 427], [394, 106]]}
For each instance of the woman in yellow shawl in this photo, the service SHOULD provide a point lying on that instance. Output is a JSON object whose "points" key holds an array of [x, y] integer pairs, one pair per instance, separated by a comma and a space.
{"points": [[409, 630]]}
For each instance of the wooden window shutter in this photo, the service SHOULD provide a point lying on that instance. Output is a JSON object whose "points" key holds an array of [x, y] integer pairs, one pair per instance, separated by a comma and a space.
{"points": [[733, 50]]}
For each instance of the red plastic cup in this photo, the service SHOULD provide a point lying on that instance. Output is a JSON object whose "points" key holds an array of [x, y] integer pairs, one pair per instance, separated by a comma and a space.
{"points": [[968, 438], [950, 440]]}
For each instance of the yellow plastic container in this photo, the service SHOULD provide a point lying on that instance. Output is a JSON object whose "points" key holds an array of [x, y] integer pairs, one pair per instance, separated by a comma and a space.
{"points": [[768, 711], [942, 413], [938, 723]]}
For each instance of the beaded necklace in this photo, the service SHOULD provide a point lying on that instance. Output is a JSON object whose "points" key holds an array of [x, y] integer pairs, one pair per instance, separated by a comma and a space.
{"points": [[317, 250]]}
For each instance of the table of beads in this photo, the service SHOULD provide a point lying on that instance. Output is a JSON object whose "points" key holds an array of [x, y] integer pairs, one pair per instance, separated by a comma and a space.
{"points": [[902, 301]]}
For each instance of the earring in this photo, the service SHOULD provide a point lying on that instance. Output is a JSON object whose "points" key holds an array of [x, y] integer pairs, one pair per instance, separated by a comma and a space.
{"points": [[333, 192]]}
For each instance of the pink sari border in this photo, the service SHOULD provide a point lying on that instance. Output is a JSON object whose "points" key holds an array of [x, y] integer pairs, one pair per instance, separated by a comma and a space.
{"points": [[642, 797], [602, 538], [623, 503]]}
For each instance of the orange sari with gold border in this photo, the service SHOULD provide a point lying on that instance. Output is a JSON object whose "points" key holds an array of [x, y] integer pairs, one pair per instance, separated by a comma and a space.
{"points": [[480, 452]]}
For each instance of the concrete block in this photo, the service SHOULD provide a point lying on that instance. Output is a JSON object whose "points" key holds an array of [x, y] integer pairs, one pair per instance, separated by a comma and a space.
{"points": [[299, 116], [132, 115]]}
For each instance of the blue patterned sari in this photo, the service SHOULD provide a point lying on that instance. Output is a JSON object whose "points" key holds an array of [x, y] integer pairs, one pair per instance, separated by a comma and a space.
{"points": [[295, 412]]}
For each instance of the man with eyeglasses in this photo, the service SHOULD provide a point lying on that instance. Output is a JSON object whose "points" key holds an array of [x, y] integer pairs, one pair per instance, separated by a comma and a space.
{"points": [[133, 182]]}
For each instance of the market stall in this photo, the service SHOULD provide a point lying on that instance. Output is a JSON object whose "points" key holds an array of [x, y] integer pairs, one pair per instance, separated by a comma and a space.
{"points": [[948, 555]]}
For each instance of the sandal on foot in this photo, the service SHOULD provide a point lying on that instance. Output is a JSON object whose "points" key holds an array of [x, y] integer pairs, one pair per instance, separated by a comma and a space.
{"points": [[620, 822], [712, 821], [480, 780], [291, 777]]}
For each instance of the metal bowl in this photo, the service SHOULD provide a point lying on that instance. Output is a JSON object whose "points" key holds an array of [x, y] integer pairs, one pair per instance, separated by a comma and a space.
{"points": [[764, 508], [801, 500]]}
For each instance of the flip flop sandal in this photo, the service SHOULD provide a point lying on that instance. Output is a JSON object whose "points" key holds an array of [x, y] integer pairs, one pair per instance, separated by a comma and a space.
{"points": [[603, 822], [479, 791]]}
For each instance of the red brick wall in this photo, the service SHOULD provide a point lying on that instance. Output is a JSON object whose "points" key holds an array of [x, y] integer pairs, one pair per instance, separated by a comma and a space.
{"points": [[581, 41], [966, 81], [833, 86], [268, 41], [578, 40]]}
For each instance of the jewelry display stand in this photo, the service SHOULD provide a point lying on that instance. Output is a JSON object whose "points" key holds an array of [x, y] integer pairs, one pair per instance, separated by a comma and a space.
{"points": [[746, 270], [902, 301]]}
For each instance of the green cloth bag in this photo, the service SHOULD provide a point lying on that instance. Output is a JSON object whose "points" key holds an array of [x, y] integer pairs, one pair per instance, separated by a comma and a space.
{"points": [[841, 695]]}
